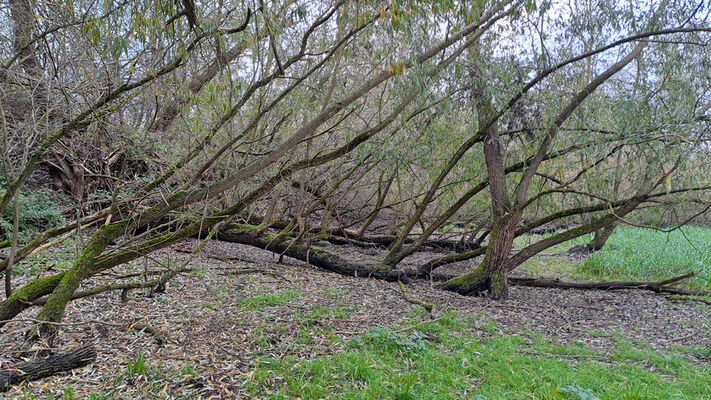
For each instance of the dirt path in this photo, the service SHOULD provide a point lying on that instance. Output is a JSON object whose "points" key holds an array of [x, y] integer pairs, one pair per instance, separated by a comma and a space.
{"points": [[217, 323]]}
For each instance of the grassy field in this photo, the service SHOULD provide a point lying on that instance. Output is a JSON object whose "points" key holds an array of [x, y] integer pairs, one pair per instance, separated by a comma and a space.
{"points": [[443, 360], [634, 253]]}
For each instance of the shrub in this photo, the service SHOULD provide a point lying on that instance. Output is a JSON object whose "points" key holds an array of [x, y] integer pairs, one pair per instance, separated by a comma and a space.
{"points": [[38, 210]]}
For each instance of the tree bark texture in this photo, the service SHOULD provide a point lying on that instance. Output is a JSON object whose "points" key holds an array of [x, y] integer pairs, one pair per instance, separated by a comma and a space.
{"points": [[42, 368]]}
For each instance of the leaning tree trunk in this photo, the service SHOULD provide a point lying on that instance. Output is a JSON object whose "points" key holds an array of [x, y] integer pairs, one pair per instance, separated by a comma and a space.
{"points": [[601, 237], [597, 243]]}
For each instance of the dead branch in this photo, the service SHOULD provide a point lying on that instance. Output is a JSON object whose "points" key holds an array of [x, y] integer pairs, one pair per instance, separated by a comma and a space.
{"points": [[429, 307], [42, 368], [676, 297], [654, 286]]}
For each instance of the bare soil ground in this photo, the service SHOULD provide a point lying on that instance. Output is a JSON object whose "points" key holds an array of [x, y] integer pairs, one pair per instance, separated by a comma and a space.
{"points": [[217, 321]]}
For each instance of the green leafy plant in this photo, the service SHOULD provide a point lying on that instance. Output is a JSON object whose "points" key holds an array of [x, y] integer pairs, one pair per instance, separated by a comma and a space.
{"points": [[389, 339], [575, 392], [139, 365], [37, 210]]}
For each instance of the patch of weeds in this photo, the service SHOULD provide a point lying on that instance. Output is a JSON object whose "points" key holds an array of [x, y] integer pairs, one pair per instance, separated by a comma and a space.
{"points": [[139, 366], [596, 333], [269, 300], [451, 320], [187, 370], [490, 326], [334, 293], [260, 341], [69, 394], [225, 288], [389, 340], [701, 352], [576, 392], [304, 338], [247, 278], [198, 272], [101, 396], [340, 312]]}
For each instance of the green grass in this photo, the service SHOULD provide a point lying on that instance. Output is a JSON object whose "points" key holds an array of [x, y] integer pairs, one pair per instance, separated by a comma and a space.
{"points": [[444, 360], [636, 253], [340, 312], [549, 267], [631, 253], [269, 300], [138, 366]]}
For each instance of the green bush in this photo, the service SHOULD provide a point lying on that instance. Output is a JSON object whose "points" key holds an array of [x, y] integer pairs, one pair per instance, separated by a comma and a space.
{"points": [[38, 210]]}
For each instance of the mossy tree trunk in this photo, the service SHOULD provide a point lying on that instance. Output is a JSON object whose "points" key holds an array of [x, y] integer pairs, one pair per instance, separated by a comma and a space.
{"points": [[83, 267], [598, 241], [21, 299], [492, 274]]}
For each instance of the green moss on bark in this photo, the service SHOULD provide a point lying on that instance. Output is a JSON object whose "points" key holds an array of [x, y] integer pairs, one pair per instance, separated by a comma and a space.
{"points": [[498, 285], [54, 308], [21, 298], [469, 284]]}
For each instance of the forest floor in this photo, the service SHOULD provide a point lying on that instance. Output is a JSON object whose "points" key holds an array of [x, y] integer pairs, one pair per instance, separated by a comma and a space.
{"points": [[252, 327]]}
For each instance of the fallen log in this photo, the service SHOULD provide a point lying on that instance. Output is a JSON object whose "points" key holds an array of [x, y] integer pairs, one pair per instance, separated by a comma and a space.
{"points": [[341, 237], [282, 244], [45, 367], [348, 237], [654, 286]]}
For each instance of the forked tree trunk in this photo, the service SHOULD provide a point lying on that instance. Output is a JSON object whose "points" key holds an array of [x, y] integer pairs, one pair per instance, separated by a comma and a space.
{"points": [[492, 274]]}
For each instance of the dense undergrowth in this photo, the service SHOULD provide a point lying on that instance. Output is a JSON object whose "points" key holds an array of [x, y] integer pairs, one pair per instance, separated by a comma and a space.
{"points": [[37, 210]]}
